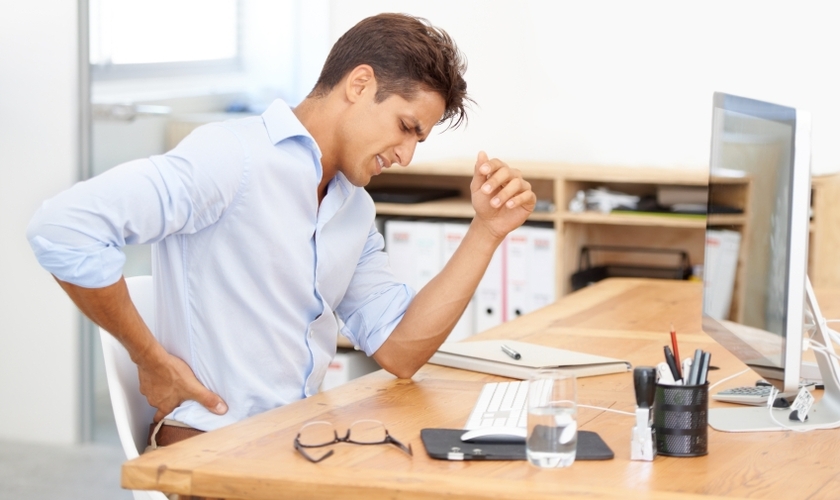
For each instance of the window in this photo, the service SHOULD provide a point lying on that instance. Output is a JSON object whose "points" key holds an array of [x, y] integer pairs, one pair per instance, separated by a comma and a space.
{"points": [[131, 38]]}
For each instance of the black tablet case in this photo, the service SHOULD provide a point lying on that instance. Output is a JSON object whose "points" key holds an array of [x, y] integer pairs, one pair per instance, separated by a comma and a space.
{"points": [[446, 444]]}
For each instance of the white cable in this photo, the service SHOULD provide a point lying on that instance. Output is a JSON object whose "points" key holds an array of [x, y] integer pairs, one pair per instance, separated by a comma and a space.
{"points": [[728, 378], [835, 336], [770, 401], [773, 393], [823, 349], [817, 347], [608, 409], [633, 414]]}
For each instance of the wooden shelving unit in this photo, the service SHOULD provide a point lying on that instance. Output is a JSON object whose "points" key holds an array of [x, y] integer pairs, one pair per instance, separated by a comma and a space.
{"points": [[558, 183], [824, 244]]}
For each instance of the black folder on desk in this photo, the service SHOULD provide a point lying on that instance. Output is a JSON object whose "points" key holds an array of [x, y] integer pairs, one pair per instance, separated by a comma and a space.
{"points": [[446, 444]]}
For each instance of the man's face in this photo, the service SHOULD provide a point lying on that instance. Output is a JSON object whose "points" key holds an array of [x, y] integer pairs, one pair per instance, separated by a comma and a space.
{"points": [[376, 135]]}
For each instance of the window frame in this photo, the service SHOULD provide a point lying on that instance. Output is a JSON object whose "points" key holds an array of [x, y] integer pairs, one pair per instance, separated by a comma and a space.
{"points": [[110, 71]]}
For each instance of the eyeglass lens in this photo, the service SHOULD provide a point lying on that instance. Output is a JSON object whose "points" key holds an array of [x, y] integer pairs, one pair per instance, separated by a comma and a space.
{"points": [[318, 434], [367, 432]]}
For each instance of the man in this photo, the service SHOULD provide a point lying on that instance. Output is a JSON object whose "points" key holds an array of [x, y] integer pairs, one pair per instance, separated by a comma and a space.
{"points": [[263, 235]]}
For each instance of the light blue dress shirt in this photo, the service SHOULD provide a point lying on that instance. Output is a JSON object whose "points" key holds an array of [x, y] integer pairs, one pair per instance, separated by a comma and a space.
{"points": [[250, 273]]}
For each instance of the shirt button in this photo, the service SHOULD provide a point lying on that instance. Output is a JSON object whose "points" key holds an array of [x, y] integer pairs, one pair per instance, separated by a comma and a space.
{"points": [[307, 393], [311, 334]]}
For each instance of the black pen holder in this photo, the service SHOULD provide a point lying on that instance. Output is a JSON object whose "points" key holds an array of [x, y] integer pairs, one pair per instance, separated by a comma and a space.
{"points": [[680, 418]]}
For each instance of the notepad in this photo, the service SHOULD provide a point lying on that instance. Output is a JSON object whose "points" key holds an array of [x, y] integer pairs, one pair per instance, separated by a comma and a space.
{"points": [[486, 356]]}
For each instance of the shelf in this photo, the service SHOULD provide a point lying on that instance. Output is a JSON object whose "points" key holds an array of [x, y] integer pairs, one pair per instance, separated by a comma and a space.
{"points": [[452, 208], [559, 182], [691, 222], [441, 208], [824, 228], [727, 220]]}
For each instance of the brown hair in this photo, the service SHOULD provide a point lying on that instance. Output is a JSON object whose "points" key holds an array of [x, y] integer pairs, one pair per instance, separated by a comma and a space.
{"points": [[406, 53]]}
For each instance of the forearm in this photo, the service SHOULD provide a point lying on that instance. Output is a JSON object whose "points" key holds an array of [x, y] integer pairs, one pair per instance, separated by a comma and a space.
{"points": [[165, 380], [437, 307], [502, 200], [111, 308]]}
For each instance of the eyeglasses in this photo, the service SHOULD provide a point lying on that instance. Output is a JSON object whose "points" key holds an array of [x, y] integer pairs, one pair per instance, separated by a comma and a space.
{"points": [[320, 434]]}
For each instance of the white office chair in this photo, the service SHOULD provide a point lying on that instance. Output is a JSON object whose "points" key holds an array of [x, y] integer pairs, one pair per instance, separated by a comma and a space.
{"points": [[131, 410]]}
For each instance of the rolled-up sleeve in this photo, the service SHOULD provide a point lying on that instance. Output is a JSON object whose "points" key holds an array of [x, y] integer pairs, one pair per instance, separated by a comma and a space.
{"points": [[375, 301], [78, 235]]}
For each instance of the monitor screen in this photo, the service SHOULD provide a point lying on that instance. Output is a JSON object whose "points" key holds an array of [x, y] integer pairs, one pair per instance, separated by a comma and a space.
{"points": [[768, 143]]}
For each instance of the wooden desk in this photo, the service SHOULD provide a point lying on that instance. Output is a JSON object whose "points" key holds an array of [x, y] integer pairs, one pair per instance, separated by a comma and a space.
{"points": [[623, 318]]}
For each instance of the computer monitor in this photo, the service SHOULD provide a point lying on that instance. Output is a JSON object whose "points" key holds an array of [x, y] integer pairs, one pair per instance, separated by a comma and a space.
{"points": [[771, 144]]}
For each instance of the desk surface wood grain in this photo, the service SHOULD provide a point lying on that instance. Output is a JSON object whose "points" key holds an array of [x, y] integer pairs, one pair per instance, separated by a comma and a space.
{"points": [[622, 318]]}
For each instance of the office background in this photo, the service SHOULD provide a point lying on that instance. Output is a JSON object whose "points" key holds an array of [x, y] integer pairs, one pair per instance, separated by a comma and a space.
{"points": [[601, 83]]}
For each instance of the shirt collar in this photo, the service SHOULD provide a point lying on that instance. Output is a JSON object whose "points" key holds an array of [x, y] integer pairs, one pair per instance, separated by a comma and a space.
{"points": [[281, 124]]}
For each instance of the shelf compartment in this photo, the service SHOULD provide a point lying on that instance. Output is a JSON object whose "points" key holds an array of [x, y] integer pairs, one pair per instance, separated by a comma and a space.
{"points": [[458, 208], [624, 219]]}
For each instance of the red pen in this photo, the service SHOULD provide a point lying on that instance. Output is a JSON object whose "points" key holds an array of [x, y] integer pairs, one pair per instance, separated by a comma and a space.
{"points": [[676, 350]]}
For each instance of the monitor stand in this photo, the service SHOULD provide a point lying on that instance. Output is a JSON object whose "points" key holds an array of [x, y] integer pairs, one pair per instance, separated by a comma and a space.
{"points": [[824, 414]]}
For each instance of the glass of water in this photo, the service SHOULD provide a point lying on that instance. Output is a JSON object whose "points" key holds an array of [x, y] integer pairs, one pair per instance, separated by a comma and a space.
{"points": [[552, 419]]}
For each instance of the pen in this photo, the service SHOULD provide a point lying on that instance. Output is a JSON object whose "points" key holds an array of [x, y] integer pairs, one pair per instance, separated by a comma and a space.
{"points": [[510, 352], [676, 349], [695, 367], [704, 368], [672, 363]]}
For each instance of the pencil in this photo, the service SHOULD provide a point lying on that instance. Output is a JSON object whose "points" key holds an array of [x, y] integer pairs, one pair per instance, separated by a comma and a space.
{"points": [[676, 349]]}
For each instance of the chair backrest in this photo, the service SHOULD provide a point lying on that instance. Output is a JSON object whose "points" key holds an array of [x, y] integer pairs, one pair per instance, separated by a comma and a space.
{"points": [[132, 412]]}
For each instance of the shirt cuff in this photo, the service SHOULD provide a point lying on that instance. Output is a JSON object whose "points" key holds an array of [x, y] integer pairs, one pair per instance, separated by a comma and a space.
{"points": [[93, 266], [371, 325]]}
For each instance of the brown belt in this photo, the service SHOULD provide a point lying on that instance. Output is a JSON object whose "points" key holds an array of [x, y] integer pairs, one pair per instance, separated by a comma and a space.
{"points": [[171, 434]]}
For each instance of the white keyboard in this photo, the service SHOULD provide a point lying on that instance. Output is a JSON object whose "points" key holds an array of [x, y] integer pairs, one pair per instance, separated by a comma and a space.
{"points": [[500, 404], [749, 395]]}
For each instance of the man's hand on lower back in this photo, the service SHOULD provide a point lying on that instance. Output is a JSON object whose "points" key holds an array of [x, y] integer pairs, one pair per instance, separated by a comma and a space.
{"points": [[165, 380], [170, 382]]}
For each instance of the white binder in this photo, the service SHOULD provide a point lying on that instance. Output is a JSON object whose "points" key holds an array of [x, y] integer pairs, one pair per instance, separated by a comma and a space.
{"points": [[489, 294], [530, 265], [453, 234], [719, 269], [518, 273], [414, 250], [543, 261]]}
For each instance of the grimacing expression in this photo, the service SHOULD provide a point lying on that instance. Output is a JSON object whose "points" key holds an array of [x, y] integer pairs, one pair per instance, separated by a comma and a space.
{"points": [[379, 134]]}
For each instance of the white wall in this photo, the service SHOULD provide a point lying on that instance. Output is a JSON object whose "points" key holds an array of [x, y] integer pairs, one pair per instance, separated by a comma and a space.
{"points": [[39, 382], [625, 83]]}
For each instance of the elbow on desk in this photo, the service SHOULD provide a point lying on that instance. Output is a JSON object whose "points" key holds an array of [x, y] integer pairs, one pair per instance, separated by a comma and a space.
{"points": [[404, 369], [402, 360], [401, 371]]}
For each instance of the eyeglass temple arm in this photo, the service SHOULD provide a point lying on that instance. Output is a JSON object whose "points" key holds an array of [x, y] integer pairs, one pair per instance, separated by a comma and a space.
{"points": [[300, 448], [398, 444]]}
